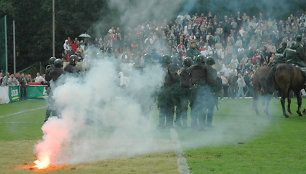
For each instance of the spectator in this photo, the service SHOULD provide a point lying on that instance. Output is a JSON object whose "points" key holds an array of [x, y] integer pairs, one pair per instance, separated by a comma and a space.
{"points": [[23, 86], [39, 78], [235, 40], [75, 45], [29, 78], [224, 84], [5, 80], [67, 46], [12, 81], [1, 77], [241, 84]]}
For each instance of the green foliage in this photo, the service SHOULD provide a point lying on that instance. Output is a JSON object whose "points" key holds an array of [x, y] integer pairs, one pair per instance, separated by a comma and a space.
{"points": [[34, 26]]}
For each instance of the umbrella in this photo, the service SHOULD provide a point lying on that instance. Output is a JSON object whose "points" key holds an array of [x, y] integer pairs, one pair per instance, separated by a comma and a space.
{"points": [[84, 35]]}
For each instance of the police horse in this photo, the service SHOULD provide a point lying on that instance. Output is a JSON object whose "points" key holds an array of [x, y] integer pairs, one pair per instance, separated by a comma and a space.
{"points": [[263, 85], [289, 78], [204, 81]]}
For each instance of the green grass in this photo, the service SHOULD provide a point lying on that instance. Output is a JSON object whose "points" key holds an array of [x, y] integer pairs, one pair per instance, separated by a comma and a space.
{"points": [[280, 147], [20, 130], [251, 144], [22, 120]]}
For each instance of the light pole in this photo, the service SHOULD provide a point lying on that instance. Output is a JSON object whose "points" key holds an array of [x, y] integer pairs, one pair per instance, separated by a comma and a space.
{"points": [[53, 29]]}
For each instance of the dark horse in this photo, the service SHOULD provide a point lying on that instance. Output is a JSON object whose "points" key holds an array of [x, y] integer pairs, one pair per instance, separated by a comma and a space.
{"points": [[287, 78], [204, 80], [263, 85]]}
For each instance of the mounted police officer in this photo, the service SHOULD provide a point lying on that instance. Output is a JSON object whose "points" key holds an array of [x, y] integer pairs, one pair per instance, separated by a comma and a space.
{"points": [[54, 74], [167, 97], [295, 55], [193, 50], [184, 93], [71, 67], [279, 55]]}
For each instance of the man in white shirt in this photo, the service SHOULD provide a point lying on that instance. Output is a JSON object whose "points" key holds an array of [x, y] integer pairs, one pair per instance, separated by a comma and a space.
{"points": [[39, 78]]}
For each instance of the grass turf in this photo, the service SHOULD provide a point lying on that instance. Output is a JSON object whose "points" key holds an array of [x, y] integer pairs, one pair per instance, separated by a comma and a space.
{"points": [[20, 125], [279, 148]]}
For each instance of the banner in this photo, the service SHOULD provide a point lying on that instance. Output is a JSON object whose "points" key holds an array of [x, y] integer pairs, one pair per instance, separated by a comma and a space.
{"points": [[4, 95], [14, 93], [3, 45], [37, 92]]}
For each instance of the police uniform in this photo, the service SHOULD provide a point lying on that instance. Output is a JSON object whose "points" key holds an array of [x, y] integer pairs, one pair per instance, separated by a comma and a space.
{"points": [[184, 94], [204, 80], [192, 51], [70, 68], [296, 56], [54, 74], [279, 55], [167, 97]]}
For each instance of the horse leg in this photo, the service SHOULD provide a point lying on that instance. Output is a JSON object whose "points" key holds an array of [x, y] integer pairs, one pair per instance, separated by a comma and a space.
{"points": [[299, 101], [210, 114], [267, 101], [289, 103], [283, 106], [255, 101]]}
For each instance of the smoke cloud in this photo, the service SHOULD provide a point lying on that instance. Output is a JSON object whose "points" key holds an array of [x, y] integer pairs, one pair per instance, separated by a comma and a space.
{"points": [[101, 120]]}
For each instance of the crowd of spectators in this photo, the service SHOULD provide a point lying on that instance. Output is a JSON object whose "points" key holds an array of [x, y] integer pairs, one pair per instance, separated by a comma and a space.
{"points": [[20, 79], [239, 43]]}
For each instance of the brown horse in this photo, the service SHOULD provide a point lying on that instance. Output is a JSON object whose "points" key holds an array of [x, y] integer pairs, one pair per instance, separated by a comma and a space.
{"points": [[204, 81], [287, 78], [263, 85]]}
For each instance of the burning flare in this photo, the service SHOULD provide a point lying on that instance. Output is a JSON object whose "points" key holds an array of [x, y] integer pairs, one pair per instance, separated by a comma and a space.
{"points": [[41, 164]]}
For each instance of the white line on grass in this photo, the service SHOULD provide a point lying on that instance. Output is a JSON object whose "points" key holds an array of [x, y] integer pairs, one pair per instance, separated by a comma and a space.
{"points": [[183, 167], [21, 112], [17, 122]]}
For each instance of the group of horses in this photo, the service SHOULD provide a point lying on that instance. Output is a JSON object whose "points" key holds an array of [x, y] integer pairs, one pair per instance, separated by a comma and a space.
{"points": [[283, 78]]}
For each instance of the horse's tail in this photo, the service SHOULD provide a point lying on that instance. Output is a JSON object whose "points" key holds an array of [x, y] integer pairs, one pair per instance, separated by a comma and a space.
{"points": [[271, 78]]}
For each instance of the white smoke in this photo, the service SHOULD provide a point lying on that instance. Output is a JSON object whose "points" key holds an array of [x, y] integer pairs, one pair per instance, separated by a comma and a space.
{"points": [[101, 120]]}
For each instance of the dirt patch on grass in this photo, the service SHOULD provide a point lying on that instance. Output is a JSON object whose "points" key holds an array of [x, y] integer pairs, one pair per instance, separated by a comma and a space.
{"points": [[18, 157]]}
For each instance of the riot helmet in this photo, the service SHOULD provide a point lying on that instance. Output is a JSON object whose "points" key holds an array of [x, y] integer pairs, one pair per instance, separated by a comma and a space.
{"points": [[58, 63], [200, 59], [73, 59], [210, 61], [51, 60], [166, 59], [187, 62], [298, 38]]}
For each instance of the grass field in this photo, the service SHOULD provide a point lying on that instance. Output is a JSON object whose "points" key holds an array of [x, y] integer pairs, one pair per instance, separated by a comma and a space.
{"points": [[261, 145]]}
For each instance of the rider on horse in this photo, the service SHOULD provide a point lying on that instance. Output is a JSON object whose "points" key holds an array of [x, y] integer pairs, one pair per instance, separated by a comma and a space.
{"points": [[295, 55]]}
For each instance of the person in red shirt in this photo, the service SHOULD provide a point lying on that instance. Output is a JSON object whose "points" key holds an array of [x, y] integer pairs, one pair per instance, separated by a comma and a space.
{"points": [[75, 45]]}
